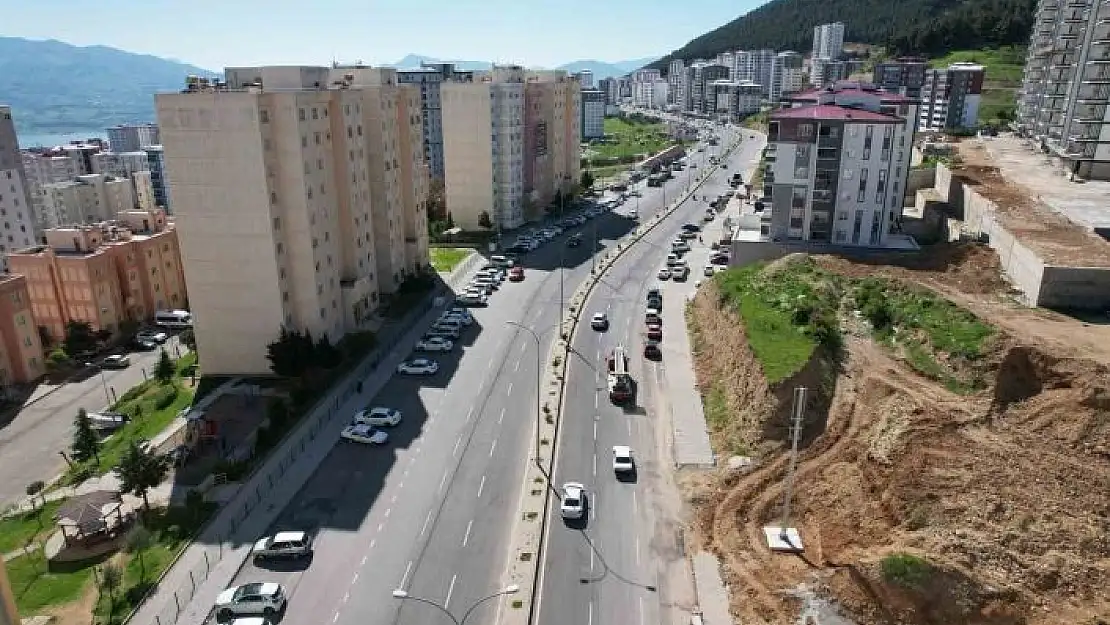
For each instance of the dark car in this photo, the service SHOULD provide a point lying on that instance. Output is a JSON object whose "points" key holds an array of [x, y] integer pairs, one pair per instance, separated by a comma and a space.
{"points": [[691, 227], [654, 332], [652, 351], [574, 240]]}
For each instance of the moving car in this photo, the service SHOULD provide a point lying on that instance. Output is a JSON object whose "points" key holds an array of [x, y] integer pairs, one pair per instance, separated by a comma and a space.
{"points": [[116, 361], [600, 321], [664, 274], [418, 366], [363, 433], [143, 346], [652, 351], [378, 415], [152, 336], [265, 598], [574, 240], [502, 261], [622, 459], [435, 344], [282, 545], [516, 274], [107, 421], [573, 504]]}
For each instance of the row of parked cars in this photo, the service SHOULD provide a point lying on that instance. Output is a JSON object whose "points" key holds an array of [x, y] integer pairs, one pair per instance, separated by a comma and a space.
{"points": [[538, 237], [488, 280]]}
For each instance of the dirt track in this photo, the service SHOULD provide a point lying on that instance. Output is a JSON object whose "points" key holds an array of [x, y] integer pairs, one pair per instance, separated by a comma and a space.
{"points": [[1005, 493]]}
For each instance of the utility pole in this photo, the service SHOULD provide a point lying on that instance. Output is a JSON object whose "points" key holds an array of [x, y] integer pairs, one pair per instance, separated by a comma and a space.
{"points": [[784, 537]]}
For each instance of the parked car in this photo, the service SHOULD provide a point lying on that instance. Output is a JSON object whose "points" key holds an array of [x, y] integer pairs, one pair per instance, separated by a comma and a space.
{"points": [[378, 416], [418, 366], [516, 274], [153, 336], [365, 434], [654, 331], [265, 598], [652, 350], [435, 344], [472, 300], [664, 274], [622, 459], [143, 346], [116, 361], [283, 545], [107, 421]]}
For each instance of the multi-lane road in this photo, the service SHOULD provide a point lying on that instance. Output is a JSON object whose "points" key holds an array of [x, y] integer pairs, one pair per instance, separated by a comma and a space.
{"points": [[430, 512], [617, 567]]}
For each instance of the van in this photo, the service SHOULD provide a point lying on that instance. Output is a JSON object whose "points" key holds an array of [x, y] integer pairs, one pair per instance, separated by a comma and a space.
{"points": [[173, 318]]}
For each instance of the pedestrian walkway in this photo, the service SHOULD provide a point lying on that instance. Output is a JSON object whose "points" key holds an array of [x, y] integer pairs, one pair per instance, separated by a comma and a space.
{"points": [[712, 594]]}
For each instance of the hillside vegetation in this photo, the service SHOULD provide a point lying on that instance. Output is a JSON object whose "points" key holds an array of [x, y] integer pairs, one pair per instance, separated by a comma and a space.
{"points": [[1002, 79], [931, 27]]}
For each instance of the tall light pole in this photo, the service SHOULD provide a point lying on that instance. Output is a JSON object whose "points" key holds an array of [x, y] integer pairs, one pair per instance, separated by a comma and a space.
{"points": [[103, 381], [536, 338], [405, 596]]}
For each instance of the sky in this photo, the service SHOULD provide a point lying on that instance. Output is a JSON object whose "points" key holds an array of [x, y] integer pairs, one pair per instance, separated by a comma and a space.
{"points": [[213, 34]]}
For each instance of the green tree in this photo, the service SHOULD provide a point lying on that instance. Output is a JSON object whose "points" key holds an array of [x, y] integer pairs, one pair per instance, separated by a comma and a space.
{"points": [[587, 180], [291, 354], [450, 220], [86, 444], [80, 337], [188, 338], [139, 540], [484, 220], [140, 470], [111, 578], [33, 490], [164, 370], [57, 360], [437, 201], [325, 354]]}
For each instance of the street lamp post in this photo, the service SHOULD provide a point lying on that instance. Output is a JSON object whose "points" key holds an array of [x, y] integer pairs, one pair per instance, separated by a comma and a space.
{"points": [[103, 381], [536, 338], [405, 596]]}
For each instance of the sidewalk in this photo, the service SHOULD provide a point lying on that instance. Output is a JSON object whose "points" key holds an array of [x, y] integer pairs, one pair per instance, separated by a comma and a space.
{"points": [[187, 591]]}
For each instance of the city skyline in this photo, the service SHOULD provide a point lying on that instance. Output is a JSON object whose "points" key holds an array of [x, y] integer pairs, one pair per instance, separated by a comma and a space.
{"points": [[458, 30]]}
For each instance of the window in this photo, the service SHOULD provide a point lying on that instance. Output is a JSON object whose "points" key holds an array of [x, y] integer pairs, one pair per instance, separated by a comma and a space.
{"points": [[842, 216], [867, 142], [317, 138], [264, 115], [315, 113], [862, 185], [805, 130], [277, 223], [880, 189], [300, 114]]}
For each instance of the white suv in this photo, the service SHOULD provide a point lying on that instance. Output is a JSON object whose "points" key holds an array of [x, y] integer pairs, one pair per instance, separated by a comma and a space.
{"points": [[265, 598]]}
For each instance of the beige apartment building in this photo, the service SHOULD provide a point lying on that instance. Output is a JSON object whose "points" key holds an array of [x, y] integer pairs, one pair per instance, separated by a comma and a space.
{"points": [[90, 198], [103, 274], [21, 357], [510, 142], [274, 175]]}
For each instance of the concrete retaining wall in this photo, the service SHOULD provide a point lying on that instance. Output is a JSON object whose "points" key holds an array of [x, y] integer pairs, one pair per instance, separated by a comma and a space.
{"points": [[920, 178]]}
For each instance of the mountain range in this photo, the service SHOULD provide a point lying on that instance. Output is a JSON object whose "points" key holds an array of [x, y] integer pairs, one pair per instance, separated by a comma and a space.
{"points": [[600, 69]]}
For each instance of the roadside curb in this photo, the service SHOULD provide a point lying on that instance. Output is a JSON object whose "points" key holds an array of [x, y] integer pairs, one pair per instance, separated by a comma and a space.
{"points": [[526, 550]]}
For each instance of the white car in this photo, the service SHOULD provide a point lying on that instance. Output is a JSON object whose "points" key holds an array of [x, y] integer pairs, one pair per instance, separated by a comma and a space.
{"points": [[599, 321], [622, 459], [283, 545], [435, 344], [709, 271], [378, 415], [573, 504], [265, 598], [462, 313], [365, 434], [664, 274], [418, 366]]}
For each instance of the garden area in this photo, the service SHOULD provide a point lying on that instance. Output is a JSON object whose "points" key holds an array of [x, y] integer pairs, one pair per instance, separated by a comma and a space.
{"points": [[445, 259], [628, 140]]}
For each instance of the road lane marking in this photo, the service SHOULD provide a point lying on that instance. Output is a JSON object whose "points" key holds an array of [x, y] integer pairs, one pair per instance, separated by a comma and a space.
{"points": [[481, 486], [466, 536], [427, 519], [388, 511], [629, 423], [381, 526], [443, 480], [501, 416], [451, 589], [405, 577], [595, 464], [355, 578], [373, 541], [635, 503], [393, 499], [456, 450], [523, 348], [640, 602], [516, 367], [492, 447], [592, 549], [346, 596], [595, 430], [595, 400], [470, 413], [335, 619], [510, 391], [637, 551], [363, 562], [590, 620]]}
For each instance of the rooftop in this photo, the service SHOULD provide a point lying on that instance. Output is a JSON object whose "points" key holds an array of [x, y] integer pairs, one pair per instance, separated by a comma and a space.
{"points": [[851, 87], [834, 112]]}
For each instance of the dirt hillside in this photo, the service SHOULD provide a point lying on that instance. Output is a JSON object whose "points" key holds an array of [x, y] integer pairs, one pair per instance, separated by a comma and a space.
{"points": [[917, 505]]}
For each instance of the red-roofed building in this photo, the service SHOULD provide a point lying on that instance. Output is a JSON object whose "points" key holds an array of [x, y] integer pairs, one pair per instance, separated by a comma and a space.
{"points": [[837, 163]]}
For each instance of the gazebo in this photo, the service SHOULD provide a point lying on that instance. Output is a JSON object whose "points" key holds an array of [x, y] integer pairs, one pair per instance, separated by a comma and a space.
{"points": [[91, 518]]}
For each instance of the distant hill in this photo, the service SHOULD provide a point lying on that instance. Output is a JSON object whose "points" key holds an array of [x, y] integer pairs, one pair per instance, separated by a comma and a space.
{"points": [[930, 27], [57, 88], [412, 61], [600, 69]]}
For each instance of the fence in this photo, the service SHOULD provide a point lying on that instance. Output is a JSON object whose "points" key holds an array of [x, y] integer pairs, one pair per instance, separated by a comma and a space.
{"points": [[219, 536]]}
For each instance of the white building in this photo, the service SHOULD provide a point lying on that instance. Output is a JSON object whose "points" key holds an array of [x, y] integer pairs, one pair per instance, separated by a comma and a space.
{"points": [[651, 95], [839, 159], [676, 82], [828, 45], [90, 198], [787, 75], [121, 164], [736, 100], [585, 78], [646, 74], [17, 225], [950, 97], [755, 66], [593, 114], [699, 79], [43, 168], [132, 137]]}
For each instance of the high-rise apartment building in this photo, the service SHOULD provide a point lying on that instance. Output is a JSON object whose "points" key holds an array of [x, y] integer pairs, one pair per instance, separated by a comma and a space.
{"points": [[45, 167], [1064, 103], [676, 83], [651, 94], [21, 351], [733, 101], [755, 66], [608, 86], [552, 129], [428, 79], [828, 46], [593, 114], [700, 78], [585, 78], [292, 152], [645, 74], [156, 164], [950, 97], [787, 75], [17, 222], [132, 137], [838, 160], [904, 75], [104, 274], [120, 164]]}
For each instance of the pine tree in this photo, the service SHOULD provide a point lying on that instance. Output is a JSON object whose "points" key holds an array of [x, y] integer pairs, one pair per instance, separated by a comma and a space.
{"points": [[140, 470], [164, 370], [86, 444]]}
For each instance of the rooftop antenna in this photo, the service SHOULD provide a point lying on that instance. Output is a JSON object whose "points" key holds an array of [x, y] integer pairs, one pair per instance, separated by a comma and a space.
{"points": [[783, 537]]}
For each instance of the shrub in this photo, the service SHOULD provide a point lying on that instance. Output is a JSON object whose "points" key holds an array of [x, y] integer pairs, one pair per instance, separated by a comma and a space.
{"points": [[905, 569], [163, 398]]}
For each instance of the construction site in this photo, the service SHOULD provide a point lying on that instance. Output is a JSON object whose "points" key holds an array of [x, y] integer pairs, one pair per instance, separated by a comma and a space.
{"points": [[954, 458]]}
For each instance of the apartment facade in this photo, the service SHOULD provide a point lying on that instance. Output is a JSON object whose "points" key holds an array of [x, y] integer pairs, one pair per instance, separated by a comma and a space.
{"points": [[120, 164], [950, 97], [787, 75], [651, 94], [828, 41], [756, 66], [839, 160], [904, 75], [733, 101], [1064, 102], [585, 78], [700, 78], [17, 222], [132, 137], [104, 274], [21, 350], [291, 149], [42, 168], [593, 114], [156, 164], [552, 130], [428, 79], [676, 83]]}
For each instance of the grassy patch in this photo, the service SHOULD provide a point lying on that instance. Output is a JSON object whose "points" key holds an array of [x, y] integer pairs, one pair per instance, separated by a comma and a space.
{"points": [[445, 259], [905, 569], [787, 315], [36, 585], [627, 138], [1001, 80], [716, 407], [757, 122], [19, 530]]}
